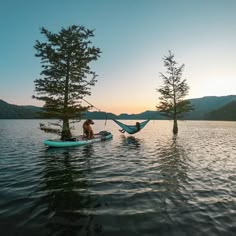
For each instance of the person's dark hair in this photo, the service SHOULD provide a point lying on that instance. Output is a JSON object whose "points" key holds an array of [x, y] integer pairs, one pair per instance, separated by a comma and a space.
{"points": [[138, 125]]}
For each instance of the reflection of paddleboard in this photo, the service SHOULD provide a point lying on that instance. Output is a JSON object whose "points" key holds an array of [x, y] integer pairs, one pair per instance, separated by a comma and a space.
{"points": [[79, 140]]}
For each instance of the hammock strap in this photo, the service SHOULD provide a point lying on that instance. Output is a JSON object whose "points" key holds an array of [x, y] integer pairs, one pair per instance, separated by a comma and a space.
{"points": [[95, 108], [131, 129]]}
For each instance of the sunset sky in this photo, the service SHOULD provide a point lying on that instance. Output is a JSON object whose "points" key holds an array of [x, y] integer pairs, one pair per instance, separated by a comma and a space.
{"points": [[134, 36]]}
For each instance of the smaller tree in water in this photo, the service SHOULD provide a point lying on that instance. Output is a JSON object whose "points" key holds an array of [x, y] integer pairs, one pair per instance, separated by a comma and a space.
{"points": [[66, 75], [174, 89]]}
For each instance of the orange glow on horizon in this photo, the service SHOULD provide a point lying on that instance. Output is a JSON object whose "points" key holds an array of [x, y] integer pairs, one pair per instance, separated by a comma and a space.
{"points": [[116, 109]]}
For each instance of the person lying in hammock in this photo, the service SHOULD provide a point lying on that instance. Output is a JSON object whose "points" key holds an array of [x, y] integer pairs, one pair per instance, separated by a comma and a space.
{"points": [[137, 128]]}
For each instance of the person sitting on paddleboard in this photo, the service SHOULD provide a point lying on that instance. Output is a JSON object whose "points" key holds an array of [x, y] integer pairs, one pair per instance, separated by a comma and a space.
{"points": [[88, 131], [135, 131]]}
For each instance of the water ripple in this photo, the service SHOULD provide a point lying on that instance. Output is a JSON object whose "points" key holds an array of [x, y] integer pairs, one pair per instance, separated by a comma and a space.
{"points": [[152, 183]]}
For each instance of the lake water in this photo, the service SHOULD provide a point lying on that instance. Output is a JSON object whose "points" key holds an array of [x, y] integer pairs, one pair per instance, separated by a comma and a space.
{"points": [[150, 184]]}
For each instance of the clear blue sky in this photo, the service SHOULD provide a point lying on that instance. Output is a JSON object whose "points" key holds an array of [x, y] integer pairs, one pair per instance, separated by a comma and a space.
{"points": [[133, 35]]}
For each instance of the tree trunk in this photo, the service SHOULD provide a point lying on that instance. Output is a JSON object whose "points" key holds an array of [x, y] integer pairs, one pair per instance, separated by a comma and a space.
{"points": [[65, 134], [175, 127]]}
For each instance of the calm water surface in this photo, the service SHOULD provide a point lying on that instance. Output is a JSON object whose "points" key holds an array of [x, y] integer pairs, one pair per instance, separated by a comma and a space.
{"points": [[150, 184]]}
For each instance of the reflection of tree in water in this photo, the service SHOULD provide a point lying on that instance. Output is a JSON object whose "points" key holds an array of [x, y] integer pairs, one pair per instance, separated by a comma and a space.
{"points": [[173, 171], [65, 193]]}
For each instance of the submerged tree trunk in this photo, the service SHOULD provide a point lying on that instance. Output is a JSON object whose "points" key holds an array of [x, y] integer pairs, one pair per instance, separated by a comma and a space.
{"points": [[66, 133], [175, 126]]}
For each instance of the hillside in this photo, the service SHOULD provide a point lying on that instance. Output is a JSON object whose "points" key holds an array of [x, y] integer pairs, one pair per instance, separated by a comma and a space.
{"points": [[9, 111], [210, 108], [227, 112], [152, 115], [97, 115], [205, 105]]}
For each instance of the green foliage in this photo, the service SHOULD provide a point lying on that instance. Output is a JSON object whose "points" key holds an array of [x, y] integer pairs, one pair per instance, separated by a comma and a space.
{"points": [[49, 129], [66, 76], [173, 91]]}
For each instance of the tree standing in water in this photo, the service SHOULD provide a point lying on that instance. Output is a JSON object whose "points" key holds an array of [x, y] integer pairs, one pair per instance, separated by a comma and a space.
{"points": [[173, 91], [66, 76]]}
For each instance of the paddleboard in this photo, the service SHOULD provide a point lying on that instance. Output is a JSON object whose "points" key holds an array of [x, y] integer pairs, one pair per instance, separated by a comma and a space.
{"points": [[79, 140]]}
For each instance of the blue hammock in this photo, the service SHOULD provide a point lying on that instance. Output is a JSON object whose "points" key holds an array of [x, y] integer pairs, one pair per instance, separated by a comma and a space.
{"points": [[131, 129]]}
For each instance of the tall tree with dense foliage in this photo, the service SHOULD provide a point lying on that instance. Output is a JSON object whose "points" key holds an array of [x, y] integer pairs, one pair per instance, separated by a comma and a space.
{"points": [[172, 92], [66, 76]]}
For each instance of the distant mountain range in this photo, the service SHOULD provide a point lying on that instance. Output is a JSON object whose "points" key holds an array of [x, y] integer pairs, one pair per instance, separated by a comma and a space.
{"points": [[203, 107], [9, 111], [226, 112], [206, 108], [152, 115]]}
